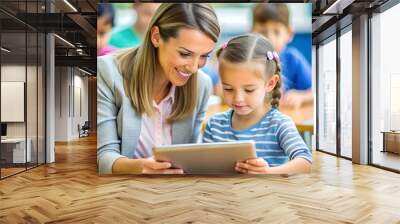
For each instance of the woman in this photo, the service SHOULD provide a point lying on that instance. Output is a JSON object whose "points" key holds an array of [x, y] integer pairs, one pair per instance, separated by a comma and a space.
{"points": [[154, 94]]}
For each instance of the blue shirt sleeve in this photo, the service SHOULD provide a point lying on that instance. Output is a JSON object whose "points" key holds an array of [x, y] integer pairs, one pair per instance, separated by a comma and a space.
{"points": [[291, 142], [295, 69]]}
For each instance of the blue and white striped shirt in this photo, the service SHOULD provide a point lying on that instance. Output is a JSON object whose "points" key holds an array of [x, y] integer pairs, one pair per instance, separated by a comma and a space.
{"points": [[276, 137]]}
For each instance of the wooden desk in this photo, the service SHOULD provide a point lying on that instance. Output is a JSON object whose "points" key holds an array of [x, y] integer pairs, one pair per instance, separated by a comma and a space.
{"points": [[13, 150], [302, 117], [391, 141]]}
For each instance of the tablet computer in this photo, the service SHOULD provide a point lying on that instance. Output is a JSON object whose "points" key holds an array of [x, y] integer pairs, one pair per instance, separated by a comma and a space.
{"points": [[206, 158]]}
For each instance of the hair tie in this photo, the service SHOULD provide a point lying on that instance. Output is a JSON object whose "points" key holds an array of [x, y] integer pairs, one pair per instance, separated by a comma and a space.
{"points": [[276, 56], [225, 45], [271, 55]]}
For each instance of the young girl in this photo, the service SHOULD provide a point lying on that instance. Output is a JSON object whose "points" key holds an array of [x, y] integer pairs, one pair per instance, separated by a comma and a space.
{"points": [[250, 75]]}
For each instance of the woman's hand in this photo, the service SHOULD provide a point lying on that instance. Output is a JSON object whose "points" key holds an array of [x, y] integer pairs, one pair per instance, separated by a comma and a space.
{"points": [[150, 166], [253, 166]]}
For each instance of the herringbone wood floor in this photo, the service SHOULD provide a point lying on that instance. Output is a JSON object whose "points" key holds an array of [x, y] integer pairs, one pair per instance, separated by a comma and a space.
{"points": [[70, 191]]}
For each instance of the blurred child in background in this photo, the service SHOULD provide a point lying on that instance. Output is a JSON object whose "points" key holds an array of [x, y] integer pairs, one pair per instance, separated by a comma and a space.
{"points": [[105, 18], [131, 36], [272, 21]]}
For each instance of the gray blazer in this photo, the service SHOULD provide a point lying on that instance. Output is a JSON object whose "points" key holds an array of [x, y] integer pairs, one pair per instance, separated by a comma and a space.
{"points": [[118, 123]]}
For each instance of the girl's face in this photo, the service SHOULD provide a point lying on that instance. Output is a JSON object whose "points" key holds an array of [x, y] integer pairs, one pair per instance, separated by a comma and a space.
{"points": [[244, 89], [182, 56]]}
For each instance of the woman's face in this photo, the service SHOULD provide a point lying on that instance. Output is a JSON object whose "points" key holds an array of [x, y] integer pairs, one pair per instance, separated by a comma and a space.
{"points": [[182, 56]]}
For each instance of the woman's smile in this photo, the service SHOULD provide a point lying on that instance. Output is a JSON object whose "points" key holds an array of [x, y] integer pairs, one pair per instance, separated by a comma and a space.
{"points": [[183, 75]]}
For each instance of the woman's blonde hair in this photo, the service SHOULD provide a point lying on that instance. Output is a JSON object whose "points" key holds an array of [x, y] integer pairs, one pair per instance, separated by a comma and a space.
{"points": [[138, 65], [253, 48]]}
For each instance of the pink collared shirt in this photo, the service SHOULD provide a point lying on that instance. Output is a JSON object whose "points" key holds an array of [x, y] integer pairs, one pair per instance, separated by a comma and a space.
{"points": [[155, 130]]}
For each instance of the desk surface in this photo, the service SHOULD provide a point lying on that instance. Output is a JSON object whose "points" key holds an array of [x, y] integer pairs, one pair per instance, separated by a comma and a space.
{"points": [[303, 117], [13, 140], [70, 190], [391, 132]]}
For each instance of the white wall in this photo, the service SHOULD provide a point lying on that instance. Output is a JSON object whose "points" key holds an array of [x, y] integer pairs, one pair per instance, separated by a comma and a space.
{"points": [[12, 73], [34, 124], [69, 85], [61, 103], [80, 100]]}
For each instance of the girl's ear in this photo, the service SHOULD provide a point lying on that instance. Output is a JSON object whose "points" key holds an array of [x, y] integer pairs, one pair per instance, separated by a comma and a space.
{"points": [[271, 83], [155, 36]]}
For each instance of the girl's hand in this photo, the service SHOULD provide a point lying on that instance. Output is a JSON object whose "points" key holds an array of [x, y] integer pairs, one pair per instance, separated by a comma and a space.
{"points": [[150, 166], [253, 166]]}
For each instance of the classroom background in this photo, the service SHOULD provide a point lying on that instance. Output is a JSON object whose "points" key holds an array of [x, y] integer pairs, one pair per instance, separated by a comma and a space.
{"points": [[235, 19]]}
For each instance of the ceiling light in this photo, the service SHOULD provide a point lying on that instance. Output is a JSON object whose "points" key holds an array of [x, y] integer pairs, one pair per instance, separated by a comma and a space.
{"points": [[84, 71], [71, 6], [5, 49], [337, 7], [64, 40]]}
